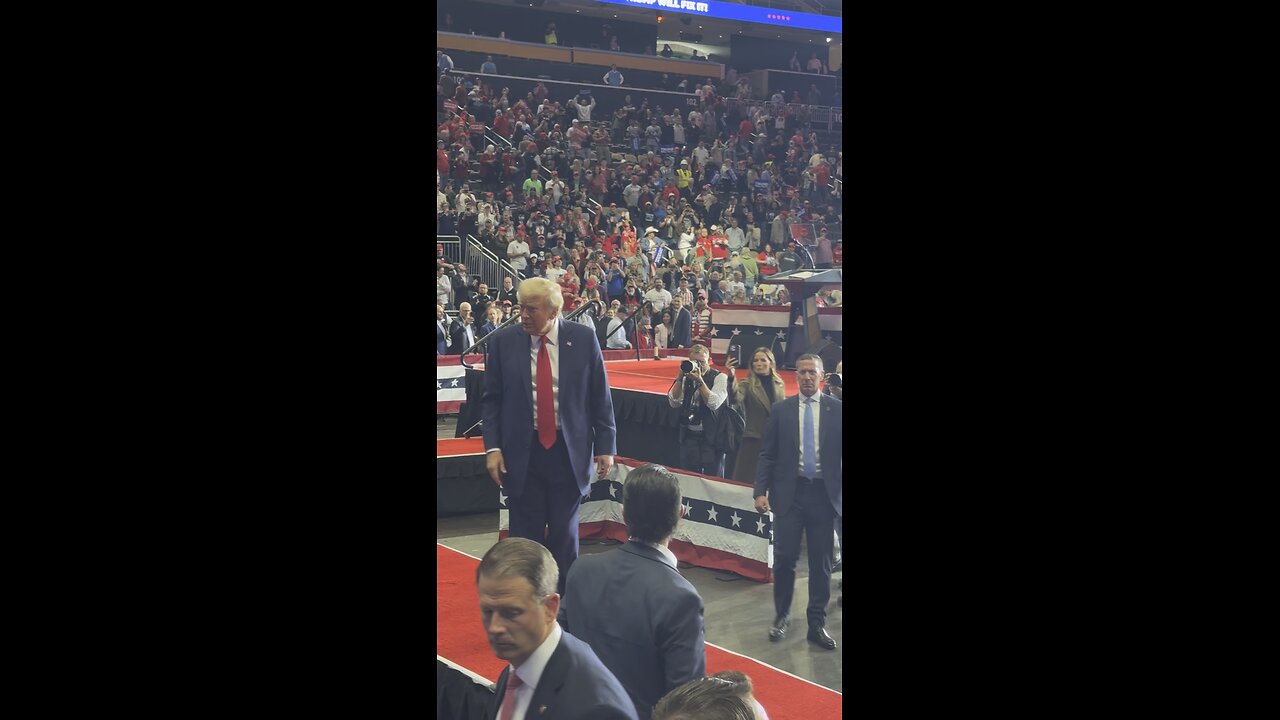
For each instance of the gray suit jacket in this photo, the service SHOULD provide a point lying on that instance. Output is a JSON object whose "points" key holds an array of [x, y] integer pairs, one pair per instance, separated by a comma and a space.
{"points": [[780, 452], [574, 685], [642, 618]]}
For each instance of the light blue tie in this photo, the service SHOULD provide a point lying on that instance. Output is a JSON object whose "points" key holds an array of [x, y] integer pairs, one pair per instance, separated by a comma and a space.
{"points": [[810, 463]]}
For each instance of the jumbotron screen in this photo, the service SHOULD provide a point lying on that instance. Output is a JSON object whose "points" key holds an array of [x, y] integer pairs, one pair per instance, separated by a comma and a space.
{"points": [[745, 13]]}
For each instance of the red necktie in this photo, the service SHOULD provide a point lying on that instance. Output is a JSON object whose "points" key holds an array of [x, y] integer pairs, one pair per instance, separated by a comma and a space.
{"points": [[546, 400], [513, 684]]}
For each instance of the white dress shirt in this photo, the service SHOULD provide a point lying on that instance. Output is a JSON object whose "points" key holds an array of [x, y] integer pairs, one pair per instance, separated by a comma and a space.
{"points": [[553, 352], [616, 340], [531, 672], [817, 427], [470, 334]]}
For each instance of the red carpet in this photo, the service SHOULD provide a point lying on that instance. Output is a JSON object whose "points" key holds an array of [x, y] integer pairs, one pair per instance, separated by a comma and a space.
{"points": [[460, 638], [459, 446]]}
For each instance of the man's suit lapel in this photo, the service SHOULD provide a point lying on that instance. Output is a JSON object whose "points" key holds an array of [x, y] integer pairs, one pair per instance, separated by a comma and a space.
{"points": [[520, 346], [500, 691], [830, 433], [553, 678], [568, 357], [793, 421]]}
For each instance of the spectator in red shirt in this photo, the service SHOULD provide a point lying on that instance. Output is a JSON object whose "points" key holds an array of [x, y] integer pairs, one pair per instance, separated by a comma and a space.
{"points": [[719, 244], [670, 193], [442, 159], [766, 261]]}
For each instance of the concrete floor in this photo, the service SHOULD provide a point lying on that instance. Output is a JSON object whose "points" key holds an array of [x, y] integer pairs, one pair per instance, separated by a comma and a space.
{"points": [[737, 613]]}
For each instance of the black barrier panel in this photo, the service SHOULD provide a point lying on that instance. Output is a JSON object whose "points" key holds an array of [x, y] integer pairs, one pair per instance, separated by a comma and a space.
{"points": [[464, 61]]}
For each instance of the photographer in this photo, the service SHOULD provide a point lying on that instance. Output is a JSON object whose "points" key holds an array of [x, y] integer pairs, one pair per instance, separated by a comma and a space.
{"points": [[698, 392], [834, 381]]}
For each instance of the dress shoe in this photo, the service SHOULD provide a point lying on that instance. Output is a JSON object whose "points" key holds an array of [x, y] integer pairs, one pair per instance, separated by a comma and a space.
{"points": [[779, 629], [818, 636]]}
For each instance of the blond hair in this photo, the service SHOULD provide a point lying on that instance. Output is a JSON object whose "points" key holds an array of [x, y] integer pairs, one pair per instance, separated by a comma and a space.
{"points": [[536, 287]]}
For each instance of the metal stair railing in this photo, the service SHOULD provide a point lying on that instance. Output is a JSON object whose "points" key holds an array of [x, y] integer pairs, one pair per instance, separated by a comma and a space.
{"points": [[491, 268]]}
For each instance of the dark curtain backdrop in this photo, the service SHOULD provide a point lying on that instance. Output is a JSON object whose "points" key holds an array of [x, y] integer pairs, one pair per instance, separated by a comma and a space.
{"points": [[752, 53], [521, 22]]}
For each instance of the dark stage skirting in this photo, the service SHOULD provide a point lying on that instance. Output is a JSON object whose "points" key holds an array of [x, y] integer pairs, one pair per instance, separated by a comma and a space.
{"points": [[463, 487], [647, 424], [648, 427]]}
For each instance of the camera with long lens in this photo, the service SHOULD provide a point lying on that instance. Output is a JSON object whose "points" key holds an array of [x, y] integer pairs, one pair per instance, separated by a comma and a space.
{"points": [[686, 366]]}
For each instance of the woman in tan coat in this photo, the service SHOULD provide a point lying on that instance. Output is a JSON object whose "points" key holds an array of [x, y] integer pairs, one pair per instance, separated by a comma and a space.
{"points": [[755, 395]]}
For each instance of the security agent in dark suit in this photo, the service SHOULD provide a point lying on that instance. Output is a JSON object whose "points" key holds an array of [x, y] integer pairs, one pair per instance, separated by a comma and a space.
{"points": [[799, 479], [632, 606], [551, 674], [462, 330]]}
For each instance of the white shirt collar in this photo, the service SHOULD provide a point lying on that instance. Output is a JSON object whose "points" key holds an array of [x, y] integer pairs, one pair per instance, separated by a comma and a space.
{"points": [[531, 671], [666, 552], [553, 335]]}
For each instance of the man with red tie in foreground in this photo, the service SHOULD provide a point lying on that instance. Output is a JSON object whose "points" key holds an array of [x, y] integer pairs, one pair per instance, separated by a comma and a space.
{"points": [[548, 420], [552, 675]]}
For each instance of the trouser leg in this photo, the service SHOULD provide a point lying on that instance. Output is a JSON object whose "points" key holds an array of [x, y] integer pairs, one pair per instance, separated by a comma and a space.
{"points": [[786, 550], [550, 486], [819, 520]]}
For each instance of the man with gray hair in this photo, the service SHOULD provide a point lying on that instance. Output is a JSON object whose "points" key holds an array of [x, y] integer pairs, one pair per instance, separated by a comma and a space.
{"points": [[549, 669]]}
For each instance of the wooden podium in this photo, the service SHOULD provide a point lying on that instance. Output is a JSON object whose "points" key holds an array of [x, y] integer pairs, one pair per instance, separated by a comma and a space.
{"points": [[803, 285]]}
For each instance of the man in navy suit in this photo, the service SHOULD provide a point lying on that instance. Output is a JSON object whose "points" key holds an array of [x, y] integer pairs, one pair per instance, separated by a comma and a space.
{"points": [[547, 413], [682, 324], [442, 337], [463, 330], [798, 478], [552, 675], [636, 611]]}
